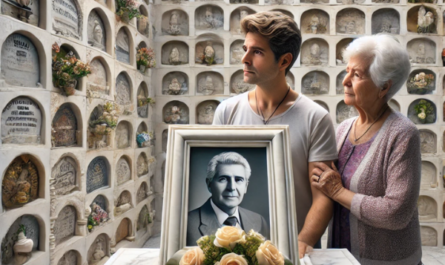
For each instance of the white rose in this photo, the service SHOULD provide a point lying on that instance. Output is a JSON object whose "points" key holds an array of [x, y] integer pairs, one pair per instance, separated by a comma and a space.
{"points": [[268, 254], [228, 237], [232, 259], [194, 256], [422, 115]]}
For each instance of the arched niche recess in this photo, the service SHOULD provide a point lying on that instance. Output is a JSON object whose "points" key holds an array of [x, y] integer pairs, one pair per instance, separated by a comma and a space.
{"points": [[175, 53], [143, 219], [65, 224], [71, 257], [65, 176], [143, 25], [339, 89], [99, 212], [22, 122], [237, 84], [66, 128], [385, 20], [30, 13], [175, 83], [142, 192], [345, 112], [236, 52], [315, 21], [315, 52], [422, 51], [205, 111], [428, 142], [339, 49], [421, 81], [428, 236], [23, 182], [322, 104], [142, 104], [123, 135], [210, 83], [96, 30], [209, 17], [19, 58], [315, 83], [98, 81], [142, 164], [67, 49], [175, 112], [124, 230], [422, 19], [350, 21], [236, 16], [394, 105], [99, 250], [425, 106], [97, 174], [427, 208], [33, 230], [209, 50], [123, 45], [428, 175], [175, 22], [123, 170], [67, 18], [123, 90], [123, 203]]}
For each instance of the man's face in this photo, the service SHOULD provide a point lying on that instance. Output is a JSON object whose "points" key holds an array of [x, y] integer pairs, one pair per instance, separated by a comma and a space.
{"points": [[228, 186], [259, 61]]}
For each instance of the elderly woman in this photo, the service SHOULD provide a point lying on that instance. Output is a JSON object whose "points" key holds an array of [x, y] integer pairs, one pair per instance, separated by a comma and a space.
{"points": [[377, 180]]}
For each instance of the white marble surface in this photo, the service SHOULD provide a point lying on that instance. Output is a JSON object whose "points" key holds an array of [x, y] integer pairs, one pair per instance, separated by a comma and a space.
{"points": [[433, 255], [329, 257]]}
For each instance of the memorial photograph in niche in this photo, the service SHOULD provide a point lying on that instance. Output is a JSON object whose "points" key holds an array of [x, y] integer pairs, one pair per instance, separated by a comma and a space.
{"points": [[21, 122], [65, 224], [64, 131], [123, 46], [64, 176], [97, 174], [248, 166], [66, 18], [96, 31], [20, 58]]}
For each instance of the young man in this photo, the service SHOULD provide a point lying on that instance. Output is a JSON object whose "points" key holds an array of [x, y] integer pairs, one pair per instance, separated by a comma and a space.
{"points": [[272, 45]]}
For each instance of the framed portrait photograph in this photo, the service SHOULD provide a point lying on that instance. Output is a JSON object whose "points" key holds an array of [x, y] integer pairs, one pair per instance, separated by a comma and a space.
{"points": [[228, 175]]}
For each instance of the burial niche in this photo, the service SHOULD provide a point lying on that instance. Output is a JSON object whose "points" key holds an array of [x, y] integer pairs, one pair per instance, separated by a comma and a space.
{"points": [[26, 11], [67, 19], [32, 232], [350, 21], [142, 95], [315, 83], [205, 111], [428, 142], [97, 84], [123, 203], [99, 250], [175, 112], [210, 83], [143, 219], [422, 51], [143, 137], [20, 58], [71, 257], [22, 122], [315, 21], [174, 53], [394, 105], [123, 170], [340, 90], [64, 130], [386, 20], [123, 46], [123, 90], [65, 224], [142, 164], [345, 112], [237, 84], [123, 135], [209, 52], [340, 48], [314, 1], [237, 52], [427, 208], [175, 22], [422, 19], [102, 121], [322, 104], [96, 31], [98, 212], [315, 52], [21, 182], [244, 1], [143, 25], [175, 83], [97, 174], [422, 111], [209, 17], [236, 17], [64, 176], [428, 175], [428, 236], [123, 230], [421, 81], [142, 193]]}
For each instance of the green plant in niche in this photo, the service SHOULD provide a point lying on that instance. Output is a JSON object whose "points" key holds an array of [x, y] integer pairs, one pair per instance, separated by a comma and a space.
{"points": [[126, 10], [22, 228], [423, 109]]}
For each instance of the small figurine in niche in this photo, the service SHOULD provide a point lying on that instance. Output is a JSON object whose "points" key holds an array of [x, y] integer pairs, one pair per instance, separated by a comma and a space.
{"points": [[22, 247], [173, 115], [97, 35], [175, 87], [174, 28], [425, 21], [206, 116], [315, 54], [316, 25], [207, 86], [174, 56], [209, 53]]}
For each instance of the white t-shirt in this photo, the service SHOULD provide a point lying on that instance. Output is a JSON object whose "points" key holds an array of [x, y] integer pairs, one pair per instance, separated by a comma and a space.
{"points": [[312, 138]]}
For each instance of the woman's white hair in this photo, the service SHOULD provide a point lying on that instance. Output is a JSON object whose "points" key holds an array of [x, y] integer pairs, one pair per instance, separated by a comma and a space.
{"points": [[227, 158], [389, 60]]}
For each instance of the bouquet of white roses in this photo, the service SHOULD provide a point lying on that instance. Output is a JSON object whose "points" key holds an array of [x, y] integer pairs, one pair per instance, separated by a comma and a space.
{"points": [[232, 246]]}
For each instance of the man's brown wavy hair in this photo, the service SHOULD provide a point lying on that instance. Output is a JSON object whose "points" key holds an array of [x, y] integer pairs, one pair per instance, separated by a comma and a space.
{"points": [[281, 31]]}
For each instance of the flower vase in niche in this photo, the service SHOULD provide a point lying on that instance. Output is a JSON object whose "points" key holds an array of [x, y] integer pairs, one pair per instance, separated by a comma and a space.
{"points": [[174, 57], [97, 216], [145, 58], [22, 247], [126, 10], [425, 21], [174, 28]]}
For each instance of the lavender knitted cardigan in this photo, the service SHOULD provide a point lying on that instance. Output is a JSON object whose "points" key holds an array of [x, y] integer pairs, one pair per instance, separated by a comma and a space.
{"points": [[384, 221]]}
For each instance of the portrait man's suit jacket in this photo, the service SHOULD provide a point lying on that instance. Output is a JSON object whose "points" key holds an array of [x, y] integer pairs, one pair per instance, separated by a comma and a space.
{"points": [[203, 221]]}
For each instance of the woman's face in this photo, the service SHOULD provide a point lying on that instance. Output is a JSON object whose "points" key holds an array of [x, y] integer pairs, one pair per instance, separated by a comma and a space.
{"points": [[360, 90]]}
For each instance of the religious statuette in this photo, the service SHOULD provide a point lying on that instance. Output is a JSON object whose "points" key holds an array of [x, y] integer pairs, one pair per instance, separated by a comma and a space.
{"points": [[425, 21], [22, 247], [174, 28], [174, 56]]}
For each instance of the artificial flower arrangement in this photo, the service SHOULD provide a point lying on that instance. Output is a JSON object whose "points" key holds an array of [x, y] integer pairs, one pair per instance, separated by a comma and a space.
{"points": [[421, 83], [424, 110], [145, 58], [107, 121], [67, 69], [145, 101], [126, 10], [232, 246], [143, 137]]}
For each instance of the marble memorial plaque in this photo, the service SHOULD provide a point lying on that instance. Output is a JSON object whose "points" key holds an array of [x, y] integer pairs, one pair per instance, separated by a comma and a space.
{"points": [[20, 58], [69, 258], [65, 225], [123, 230], [209, 17], [350, 21], [428, 236], [386, 20], [142, 192], [175, 22], [315, 22], [345, 112], [122, 136], [97, 80], [210, 83], [174, 53], [175, 112], [123, 171], [20, 183], [315, 52], [97, 174], [315, 83], [123, 46], [428, 175], [428, 142], [237, 52], [64, 174], [175, 83], [340, 89], [66, 19], [427, 208], [237, 84], [64, 131], [142, 218], [21, 122], [96, 31], [26, 11], [422, 51], [123, 90], [205, 111], [142, 165]]}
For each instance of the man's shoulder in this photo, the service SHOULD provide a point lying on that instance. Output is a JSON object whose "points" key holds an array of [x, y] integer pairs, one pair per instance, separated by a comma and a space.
{"points": [[305, 104], [230, 103], [249, 213]]}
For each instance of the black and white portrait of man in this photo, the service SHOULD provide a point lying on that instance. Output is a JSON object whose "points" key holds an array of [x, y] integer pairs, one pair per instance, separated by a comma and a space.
{"points": [[231, 192]]}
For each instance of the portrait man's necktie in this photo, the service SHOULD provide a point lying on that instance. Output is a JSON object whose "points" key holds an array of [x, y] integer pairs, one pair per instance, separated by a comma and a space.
{"points": [[230, 221]]}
